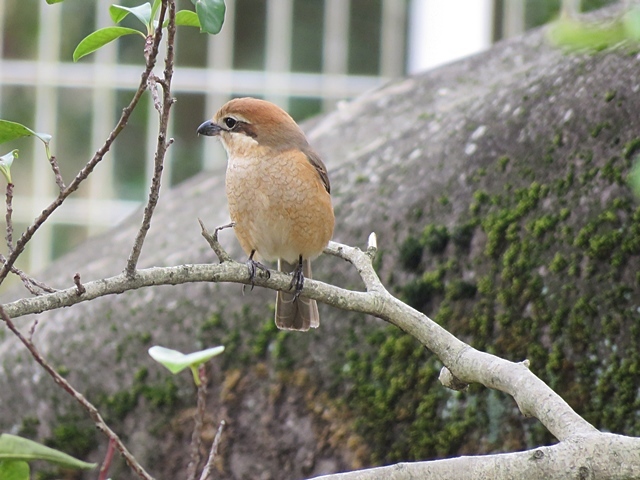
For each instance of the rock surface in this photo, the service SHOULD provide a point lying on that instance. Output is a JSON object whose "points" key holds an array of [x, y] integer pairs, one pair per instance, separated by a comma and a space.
{"points": [[496, 186]]}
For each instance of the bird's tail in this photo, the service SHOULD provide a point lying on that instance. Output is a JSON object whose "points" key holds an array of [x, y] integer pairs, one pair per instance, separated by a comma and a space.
{"points": [[296, 314]]}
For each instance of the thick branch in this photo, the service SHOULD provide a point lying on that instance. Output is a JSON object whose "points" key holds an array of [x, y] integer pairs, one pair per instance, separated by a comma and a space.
{"points": [[599, 456], [467, 364]]}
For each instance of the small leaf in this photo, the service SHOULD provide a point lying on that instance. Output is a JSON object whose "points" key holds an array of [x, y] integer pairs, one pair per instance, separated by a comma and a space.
{"points": [[51, 2], [211, 15], [175, 361], [14, 470], [12, 131], [155, 7], [18, 448], [100, 38], [5, 166], [142, 13], [186, 18]]}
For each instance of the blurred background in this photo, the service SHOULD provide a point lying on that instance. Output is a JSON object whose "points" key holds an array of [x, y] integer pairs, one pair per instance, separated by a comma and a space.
{"points": [[305, 55]]}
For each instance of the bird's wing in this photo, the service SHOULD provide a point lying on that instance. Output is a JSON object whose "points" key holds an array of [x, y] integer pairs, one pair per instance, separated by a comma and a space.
{"points": [[314, 159]]}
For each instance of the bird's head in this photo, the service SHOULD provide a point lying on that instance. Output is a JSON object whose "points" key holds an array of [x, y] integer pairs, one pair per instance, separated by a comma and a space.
{"points": [[244, 124]]}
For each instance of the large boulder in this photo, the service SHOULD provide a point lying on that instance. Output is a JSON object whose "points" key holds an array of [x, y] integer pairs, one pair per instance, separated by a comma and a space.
{"points": [[497, 188]]}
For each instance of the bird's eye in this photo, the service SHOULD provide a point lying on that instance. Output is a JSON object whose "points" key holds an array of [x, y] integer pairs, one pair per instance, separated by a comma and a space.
{"points": [[230, 122]]}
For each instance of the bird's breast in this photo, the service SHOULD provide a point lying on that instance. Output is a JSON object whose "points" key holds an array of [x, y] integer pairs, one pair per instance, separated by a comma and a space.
{"points": [[279, 205]]}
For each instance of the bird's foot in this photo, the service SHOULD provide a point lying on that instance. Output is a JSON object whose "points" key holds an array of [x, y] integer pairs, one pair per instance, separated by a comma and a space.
{"points": [[256, 268], [297, 280]]}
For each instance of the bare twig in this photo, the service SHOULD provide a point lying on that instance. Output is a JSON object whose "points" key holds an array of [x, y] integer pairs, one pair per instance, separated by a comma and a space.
{"points": [[206, 471], [222, 255], [56, 173], [153, 89], [88, 406], [162, 143], [32, 330], [79, 287], [196, 435], [8, 219], [108, 458], [97, 158], [34, 286]]}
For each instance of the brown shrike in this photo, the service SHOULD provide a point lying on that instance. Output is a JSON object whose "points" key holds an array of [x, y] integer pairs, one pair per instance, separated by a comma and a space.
{"points": [[278, 193]]}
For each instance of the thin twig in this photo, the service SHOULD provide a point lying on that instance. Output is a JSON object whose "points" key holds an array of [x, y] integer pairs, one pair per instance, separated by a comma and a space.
{"points": [[153, 89], [161, 146], [212, 240], [196, 435], [97, 158], [108, 458], [8, 220], [88, 406], [206, 471], [56, 173], [79, 287], [34, 286], [32, 330]]}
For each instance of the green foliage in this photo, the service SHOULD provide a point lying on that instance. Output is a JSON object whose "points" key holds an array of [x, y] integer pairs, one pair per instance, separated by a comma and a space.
{"points": [[16, 451], [435, 238], [411, 253], [209, 17], [14, 470], [400, 409], [100, 38], [10, 131]]}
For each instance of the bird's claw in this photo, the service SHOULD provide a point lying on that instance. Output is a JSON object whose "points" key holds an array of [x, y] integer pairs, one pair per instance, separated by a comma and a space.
{"points": [[297, 281], [255, 267]]}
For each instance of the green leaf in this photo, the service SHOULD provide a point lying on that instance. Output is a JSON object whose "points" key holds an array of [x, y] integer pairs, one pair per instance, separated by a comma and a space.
{"points": [[5, 167], [12, 131], [18, 448], [14, 470], [211, 15], [176, 361], [155, 7], [186, 18], [99, 39], [579, 35], [142, 12], [51, 2]]}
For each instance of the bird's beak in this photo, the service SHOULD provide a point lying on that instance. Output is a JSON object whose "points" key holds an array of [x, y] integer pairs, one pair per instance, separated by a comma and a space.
{"points": [[209, 128]]}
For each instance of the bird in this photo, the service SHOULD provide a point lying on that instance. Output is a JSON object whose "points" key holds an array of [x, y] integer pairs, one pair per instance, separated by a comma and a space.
{"points": [[278, 193]]}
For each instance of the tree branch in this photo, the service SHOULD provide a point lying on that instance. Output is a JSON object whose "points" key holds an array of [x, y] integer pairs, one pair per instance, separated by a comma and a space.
{"points": [[599, 456], [162, 143], [533, 396]]}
